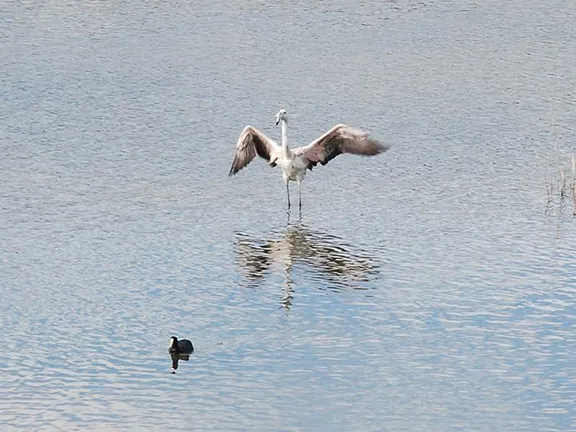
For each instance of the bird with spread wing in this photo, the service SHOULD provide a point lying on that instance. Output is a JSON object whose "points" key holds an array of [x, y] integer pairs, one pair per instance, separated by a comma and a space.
{"points": [[338, 140]]}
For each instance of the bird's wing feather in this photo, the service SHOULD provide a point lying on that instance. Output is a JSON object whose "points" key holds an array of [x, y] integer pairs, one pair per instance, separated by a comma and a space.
{"points": [[252, 142], [340, 139]]}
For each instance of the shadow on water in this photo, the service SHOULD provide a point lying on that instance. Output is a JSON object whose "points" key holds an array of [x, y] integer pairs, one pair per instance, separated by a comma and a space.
{"points": [[298, 249]]}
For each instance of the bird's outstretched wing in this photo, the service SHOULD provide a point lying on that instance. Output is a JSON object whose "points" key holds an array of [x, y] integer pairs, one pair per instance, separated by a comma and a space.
{"points": [[340, 139], [252, 142]]}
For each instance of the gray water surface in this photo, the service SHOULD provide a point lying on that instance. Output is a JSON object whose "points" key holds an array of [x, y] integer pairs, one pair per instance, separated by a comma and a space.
{"points": [[430, 288]]}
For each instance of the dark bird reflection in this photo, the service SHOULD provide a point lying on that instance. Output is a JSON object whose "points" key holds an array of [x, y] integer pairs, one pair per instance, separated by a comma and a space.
{"points": [[324, 257], [177, 357]]}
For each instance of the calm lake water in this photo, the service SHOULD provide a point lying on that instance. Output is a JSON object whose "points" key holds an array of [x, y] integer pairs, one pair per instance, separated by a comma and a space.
{"points": [[431, 288]]}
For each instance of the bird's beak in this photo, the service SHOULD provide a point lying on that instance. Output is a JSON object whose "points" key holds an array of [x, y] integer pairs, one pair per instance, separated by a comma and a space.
{"points": [[277, 120]]}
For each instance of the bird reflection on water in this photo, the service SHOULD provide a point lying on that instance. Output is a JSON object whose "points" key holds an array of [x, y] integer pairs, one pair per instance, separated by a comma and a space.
{"points": [[326, 258], [176, 358]]}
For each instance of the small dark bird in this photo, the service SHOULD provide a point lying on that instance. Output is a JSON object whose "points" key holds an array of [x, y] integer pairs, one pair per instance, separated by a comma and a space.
{"points": [[179, 350], [182, 346]]}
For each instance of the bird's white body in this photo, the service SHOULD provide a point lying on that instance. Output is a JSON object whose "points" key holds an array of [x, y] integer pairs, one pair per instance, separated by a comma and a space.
{"points": [[294, 163], [293, 167]]}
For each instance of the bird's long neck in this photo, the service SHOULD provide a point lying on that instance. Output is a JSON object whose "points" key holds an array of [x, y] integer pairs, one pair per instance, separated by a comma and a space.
{"points": [[284, 127]]}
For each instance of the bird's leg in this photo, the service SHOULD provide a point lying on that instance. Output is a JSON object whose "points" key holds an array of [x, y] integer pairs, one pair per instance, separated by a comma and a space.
{"points": [[288, 193]]}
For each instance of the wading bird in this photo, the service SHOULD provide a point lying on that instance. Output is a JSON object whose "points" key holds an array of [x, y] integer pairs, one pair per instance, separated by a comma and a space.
{"points": [[294, 163]]}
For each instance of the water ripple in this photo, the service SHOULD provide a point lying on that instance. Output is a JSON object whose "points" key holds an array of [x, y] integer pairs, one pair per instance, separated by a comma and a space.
{"points": [[422, 290]]}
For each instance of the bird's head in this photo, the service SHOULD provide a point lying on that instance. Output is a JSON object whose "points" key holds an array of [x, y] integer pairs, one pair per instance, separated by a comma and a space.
{"points": [[282, 115], [173, 343]]}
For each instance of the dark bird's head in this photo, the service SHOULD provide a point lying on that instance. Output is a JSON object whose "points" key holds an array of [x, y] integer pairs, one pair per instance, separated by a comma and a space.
{"points": [[282, 115], [173, 347]]}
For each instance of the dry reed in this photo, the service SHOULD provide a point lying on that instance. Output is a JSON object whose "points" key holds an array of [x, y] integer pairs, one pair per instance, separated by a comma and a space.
{"points": [[561, 183]]}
